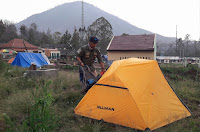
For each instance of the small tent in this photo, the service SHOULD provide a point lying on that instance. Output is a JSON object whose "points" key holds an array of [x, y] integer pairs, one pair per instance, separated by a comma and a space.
{"points": [[26, 59], [11, 60], [133, 93]]}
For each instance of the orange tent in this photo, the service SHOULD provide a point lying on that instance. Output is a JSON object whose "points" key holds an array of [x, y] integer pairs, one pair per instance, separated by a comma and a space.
{"points": [[133, 93], [11, 60]]}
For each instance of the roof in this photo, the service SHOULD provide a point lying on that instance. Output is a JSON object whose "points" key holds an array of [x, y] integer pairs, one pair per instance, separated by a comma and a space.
{"points": [[176, 58], [19, 44], [52, 49], [168, 57], [132, 42]]}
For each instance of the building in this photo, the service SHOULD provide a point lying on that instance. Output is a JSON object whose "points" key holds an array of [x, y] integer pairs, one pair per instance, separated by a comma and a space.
{"points": [[127, 46], [65, 50], [178, 60], [52, 54], [20, 45]]}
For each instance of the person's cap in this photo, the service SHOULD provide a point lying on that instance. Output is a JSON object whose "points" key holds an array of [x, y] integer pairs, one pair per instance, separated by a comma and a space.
{"points": [[94, 40]]}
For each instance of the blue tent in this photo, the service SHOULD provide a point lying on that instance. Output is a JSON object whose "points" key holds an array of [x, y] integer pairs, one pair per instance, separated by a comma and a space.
{"points": [[25, 59]]}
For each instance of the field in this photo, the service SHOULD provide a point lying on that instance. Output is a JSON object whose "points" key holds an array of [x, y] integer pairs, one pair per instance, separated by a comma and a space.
{"points": [[47, 103]]}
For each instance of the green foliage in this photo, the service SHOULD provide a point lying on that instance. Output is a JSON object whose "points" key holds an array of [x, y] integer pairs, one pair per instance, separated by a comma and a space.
{"points": [[65, 39], [73, 98], [101, 29], [9, 124], [41, 116], [2, 28], [177, 73], [8, 31], [71, 67], [75, 41], [3, 66]]}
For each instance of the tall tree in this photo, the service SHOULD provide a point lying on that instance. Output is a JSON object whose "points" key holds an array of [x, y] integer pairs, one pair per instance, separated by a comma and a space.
{"points": [[75, 41], [65, 39], [2, 28], [31, 36], [102, 29], [9, 33], [186, 46], [57, 37], [24, 32]]}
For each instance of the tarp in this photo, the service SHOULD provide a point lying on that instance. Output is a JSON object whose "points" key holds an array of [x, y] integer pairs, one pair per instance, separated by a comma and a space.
{"points": [[45, 57], [133, 93], [25, 59]]}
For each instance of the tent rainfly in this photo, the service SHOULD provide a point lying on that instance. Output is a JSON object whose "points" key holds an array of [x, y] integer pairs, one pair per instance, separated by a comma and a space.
{"points": [[133, 93]]}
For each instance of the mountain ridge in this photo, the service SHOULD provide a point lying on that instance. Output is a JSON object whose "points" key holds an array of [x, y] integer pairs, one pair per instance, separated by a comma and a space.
{"points": [[68, 16]]}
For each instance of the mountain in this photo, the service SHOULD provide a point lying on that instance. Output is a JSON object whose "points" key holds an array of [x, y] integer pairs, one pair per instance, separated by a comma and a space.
{"points": [[68, 16]]}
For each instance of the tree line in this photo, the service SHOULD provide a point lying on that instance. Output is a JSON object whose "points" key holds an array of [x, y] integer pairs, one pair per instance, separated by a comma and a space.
{"points": [[100, 28], [181, 47]]}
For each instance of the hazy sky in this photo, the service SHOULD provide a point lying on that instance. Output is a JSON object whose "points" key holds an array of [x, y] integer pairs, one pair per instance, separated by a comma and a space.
{"points": [[158, 16]]}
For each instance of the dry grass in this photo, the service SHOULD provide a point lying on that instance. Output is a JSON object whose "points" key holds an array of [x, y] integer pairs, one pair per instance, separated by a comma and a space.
{"points": [[16, 99]]}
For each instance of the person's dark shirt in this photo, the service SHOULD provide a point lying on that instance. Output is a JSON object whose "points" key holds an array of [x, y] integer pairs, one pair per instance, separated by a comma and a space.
{"points": [[88, 55]]}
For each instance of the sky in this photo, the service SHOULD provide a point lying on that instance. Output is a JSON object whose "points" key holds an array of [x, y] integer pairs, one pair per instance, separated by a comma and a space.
{"points": [[158, 16]]}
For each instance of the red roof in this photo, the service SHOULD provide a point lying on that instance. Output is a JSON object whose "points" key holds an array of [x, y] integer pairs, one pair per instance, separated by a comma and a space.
{"points": [[23, 49], [132, 43], [16, 44]]}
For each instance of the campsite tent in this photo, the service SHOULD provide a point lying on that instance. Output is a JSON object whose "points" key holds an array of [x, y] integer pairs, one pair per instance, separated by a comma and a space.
{"points": [[11, 60], [25, 59], [133, 93]]}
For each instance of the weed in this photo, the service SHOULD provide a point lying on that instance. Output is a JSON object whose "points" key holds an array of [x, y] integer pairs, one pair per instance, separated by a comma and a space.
{"points": [[71, 67], [41, 116]]}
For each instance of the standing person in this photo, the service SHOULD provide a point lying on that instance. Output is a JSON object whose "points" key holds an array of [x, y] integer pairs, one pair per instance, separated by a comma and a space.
{"points": [[87, 54]]}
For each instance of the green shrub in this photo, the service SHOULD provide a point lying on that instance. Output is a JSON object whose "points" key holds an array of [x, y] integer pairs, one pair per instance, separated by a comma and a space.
{"points": [[3, 66], [41, 116], [71, 67]]}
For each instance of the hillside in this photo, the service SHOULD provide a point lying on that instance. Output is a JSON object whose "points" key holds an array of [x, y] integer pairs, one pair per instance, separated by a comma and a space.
{"points": [[68, 16]]}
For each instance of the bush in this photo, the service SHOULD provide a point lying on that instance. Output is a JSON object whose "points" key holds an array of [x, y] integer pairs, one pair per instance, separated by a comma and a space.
{"points": [[41, 117], [71, 67]]}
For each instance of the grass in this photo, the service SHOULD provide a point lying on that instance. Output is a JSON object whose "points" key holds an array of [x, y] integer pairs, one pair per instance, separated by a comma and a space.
{"points": [[51, 101]]}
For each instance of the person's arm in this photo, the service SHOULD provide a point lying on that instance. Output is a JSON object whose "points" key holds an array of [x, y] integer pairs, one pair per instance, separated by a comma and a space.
{"points": [[78, 55], [79, 60], [102, 67]]}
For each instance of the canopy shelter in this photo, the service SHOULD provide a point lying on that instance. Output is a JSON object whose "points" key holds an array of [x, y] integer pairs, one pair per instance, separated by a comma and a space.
{"points": [[12, 51], [133, 93], [4, 51]]}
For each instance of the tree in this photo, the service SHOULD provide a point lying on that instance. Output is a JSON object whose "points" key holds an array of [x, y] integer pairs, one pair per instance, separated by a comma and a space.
{"points": [[49, 37], [83, 36], [31, 36], [65, 39], [9, 33], [186, 46], [24, 32], [2, 28], [75, 41], [180, 47], [44, 38], [33, 26], [57, 37], [102, 29]]}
